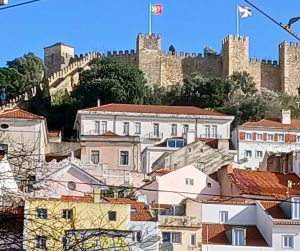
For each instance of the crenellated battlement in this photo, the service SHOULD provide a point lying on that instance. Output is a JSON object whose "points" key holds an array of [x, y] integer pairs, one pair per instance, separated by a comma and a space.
{"points": [[289, 44], [121, 53], [235, 38], [148, 36], [79, 62], [263, 61]]}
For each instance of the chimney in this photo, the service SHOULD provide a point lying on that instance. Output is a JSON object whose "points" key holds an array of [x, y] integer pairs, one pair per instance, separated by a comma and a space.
{"points": [[286, 117], [98, 102]]}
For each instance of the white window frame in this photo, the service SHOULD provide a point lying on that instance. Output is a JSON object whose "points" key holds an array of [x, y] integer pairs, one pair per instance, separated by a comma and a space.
{"points": [[234, 232], [174, 129], [248, 136], [90, 158], [223, 217], [257, 155], [172, 236], [248, 151], [214, 131], [189, 181], [281, 137], [195, 240], [126, 128], [103, 128], [128, 157], [259, 136], [137, 128], [271, 135], [290, 243], [156, 129], [185, 128], [67, 214], [206, 131], [298, 138], [97, 127]]}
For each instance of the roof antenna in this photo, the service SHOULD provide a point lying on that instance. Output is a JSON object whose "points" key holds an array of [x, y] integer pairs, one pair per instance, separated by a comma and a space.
{"points": [[98, 102]]}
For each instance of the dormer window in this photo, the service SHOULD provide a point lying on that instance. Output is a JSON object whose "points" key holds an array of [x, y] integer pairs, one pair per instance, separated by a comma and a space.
{"points": [[238, 236]]}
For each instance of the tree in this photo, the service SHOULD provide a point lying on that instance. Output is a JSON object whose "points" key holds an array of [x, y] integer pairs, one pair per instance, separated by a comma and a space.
{"points": [[111, 81], [12, 83], [31, 67]]}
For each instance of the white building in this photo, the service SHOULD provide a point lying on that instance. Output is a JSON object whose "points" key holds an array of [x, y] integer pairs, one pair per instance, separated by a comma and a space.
{"points": [[153, 124], [254, 139]]}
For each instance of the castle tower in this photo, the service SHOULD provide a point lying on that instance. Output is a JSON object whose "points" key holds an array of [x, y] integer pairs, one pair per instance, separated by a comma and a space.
{"points": [[235, 54], [290, 67], [149, 57], [57, 56]]}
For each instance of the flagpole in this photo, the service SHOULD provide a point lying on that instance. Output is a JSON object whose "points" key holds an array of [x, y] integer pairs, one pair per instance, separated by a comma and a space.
{"points": [[150, 18], [237, 20]]}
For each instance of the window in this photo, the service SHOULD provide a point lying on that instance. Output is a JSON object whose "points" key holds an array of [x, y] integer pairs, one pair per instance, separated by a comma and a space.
{"points": [[4, 126], [185, 129], [208, 185], [296, 208], [172, 237], [97, 127], [126, 128], [223, 216], [174, 130], [189, 181], [259, 137], [40, 242], [175, 143], [156, 129], [95, 156], [248, 153], [103, 127], [298, 138], [193, 240], [67, 214], [259, 154], [270, 137], [214, 131], [112, 215], [124, 158], [207, 131], [248, 136], [281, 137], [238, 237], [137, 127], [41, 213], [137, 236], [287, 241]]}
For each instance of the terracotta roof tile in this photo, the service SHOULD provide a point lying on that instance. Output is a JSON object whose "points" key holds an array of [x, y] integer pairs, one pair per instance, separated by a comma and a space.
{"points": [[161, 171], [215, 234], [273, 209], [264, 183], [19, 114], [273, 123], [67, 198], [185, 110], [140, 213]]}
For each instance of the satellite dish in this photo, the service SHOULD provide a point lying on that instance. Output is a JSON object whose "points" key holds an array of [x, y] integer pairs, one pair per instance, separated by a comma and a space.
{"points": [[150, 241], [71, 185], [167, 246]]}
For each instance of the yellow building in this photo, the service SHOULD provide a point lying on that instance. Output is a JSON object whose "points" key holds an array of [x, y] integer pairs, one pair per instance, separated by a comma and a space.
{"points": [[75, 223]]}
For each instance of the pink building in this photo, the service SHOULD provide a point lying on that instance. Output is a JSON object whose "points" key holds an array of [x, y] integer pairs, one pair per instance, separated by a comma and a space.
{"points": [[171, 187]]}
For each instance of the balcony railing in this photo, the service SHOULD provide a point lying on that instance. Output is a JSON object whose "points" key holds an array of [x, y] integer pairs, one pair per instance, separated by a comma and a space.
{"points": [[188, 221], [93, 132], [153, 135]]}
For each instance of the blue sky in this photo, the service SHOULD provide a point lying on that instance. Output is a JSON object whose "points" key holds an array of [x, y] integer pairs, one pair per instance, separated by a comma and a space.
{"points": [[190, 25]]}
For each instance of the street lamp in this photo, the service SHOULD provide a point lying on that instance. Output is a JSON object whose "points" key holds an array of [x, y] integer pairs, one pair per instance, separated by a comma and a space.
{"points": [[3, 2]]}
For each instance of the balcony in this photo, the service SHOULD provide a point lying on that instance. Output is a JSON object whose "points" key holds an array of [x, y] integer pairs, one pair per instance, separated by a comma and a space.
{"points": [[155, 136], [178, 221]]}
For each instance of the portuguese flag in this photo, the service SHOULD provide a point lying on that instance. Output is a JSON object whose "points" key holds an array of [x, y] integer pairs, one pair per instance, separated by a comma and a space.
{"points": [[156, 9]]}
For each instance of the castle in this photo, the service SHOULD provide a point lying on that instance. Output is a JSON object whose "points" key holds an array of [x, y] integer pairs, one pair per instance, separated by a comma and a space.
{"points": [[167, 68]]}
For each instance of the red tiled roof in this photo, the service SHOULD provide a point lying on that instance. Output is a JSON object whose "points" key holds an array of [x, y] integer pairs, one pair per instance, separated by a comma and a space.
{"points": [[109, 133], [215, 234], [19, 114], [185, 110], [230, 200], [161, 171], [141, 212], [273, 123], [273, 209], [67, 198], [264, 183]]}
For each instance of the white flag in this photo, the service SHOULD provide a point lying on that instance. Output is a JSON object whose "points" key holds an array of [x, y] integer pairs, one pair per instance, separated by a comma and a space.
{"points": [[245, 11]]}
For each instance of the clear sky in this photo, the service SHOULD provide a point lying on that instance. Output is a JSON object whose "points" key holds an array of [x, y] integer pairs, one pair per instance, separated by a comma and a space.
{"points": [[190, 25]]}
